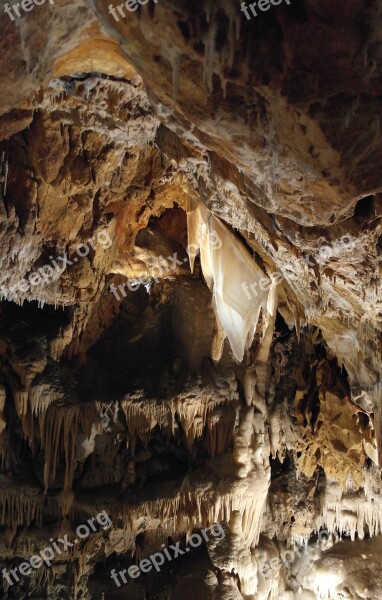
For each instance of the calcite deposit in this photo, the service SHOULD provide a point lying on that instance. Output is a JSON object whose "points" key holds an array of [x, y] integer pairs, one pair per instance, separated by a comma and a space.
{"points": [[190, 300]]}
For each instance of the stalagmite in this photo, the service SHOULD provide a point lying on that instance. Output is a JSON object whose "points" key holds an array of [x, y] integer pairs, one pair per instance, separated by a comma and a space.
{"points": [[230, 555], [253, 471]]}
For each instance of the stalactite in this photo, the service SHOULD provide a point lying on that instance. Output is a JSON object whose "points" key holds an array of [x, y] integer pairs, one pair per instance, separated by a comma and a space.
{"points": [[219, 431], [21, 402], [58, 432], [209, 47], [3, 422], [199, 415], [19, 509], [140, 419], [261, 361], [61, 342], [351, 513], [55, 428], [229, 270], [375, 395], [220, 61]]}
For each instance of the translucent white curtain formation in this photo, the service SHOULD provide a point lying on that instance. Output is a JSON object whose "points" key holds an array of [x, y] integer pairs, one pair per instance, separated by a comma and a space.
{"points": [[228, 267]]}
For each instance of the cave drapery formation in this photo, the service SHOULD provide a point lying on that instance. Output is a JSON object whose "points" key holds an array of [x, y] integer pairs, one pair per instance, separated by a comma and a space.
{"points": [[239, 383]]}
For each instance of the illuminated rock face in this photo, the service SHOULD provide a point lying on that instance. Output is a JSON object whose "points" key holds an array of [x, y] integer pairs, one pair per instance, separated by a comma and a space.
{"points": [[190, 315]]}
